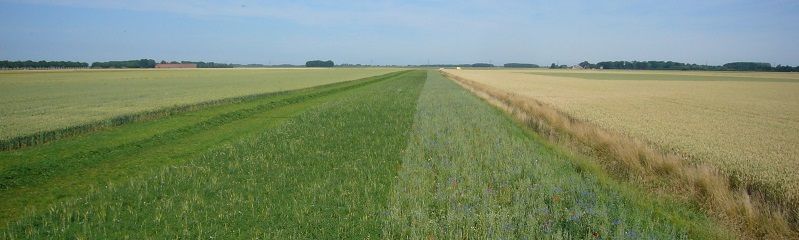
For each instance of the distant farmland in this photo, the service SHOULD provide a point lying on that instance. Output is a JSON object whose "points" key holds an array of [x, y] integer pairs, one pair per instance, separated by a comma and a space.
{"points": [[408, 154], [745, 123], [395, 154], [49, 100]]}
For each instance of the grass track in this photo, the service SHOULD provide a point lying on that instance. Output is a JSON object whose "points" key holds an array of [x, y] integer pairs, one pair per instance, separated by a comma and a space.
{"points": [[471, 172], [35, 177], [324, 173]]}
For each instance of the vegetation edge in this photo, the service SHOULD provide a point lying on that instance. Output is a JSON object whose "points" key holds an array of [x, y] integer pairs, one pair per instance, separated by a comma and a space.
{"points": [[741, 205]]}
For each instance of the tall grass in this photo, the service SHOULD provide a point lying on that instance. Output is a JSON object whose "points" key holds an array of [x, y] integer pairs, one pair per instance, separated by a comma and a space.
{"points": [[627, 158], [470, 172]]}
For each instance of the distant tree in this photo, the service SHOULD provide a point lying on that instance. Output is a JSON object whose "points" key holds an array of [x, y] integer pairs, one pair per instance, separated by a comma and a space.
{"points": [[585, 64], [520, 65], [141, 63], [42, 64], [748, 66], [482, 65], [319, 63], [553, 66], [781, 68]]}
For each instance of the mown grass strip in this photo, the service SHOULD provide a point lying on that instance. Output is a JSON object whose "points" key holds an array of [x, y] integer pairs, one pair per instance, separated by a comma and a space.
{"points": [[51, 135], [16, 176], [323, 174], [470, 172], [38, 176]]}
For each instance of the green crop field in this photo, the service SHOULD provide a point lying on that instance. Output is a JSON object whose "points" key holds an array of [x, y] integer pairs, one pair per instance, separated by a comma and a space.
{"points": [[50, 100], [403, 155]]}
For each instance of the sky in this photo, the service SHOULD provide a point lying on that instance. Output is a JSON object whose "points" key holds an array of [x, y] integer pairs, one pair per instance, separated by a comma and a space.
{"points": [[401, 32]]}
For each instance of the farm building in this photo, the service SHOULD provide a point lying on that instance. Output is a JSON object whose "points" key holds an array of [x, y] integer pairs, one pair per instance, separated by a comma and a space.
{"points": [[176, 65]]}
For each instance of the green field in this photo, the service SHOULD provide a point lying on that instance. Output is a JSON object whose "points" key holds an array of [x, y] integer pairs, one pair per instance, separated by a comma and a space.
{"points": [[50, 100], [402, 155], [37, 176]]}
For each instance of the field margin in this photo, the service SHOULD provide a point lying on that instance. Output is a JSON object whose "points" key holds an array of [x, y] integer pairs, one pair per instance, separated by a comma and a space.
{"points": [[742, 207]]}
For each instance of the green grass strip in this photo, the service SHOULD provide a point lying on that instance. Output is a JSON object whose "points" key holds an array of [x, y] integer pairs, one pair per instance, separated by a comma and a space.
{"points": [[324, 174], [32, 178], [52, 135], [470, 172]]}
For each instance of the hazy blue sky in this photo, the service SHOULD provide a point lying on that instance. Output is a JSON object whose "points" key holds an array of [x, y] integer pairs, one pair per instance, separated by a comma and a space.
{"points": [[401, 32]]}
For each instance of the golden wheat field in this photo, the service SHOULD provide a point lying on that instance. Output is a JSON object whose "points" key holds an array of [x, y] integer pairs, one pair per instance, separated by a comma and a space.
{"points": [[745, 123]]}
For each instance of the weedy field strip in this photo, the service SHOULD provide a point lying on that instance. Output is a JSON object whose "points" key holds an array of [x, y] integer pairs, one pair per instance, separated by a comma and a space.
{"points": [[749, 129], [39, 101], [745, 206], [35, 177], [470, 172], [325, 173]]}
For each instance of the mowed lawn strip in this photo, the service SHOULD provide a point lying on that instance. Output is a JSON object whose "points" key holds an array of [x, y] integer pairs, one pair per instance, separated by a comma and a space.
{"points": [[323, 174], [32, 178], [470, 172]]}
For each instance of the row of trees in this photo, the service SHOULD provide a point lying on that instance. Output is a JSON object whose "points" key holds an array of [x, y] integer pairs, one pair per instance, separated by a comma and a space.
{"points": [[637, 65], [786, 68], [149, 63], [42, 64], [202, 64], [141, 63], [521, 65], [748, 66], [319, 63], [482, 65], [648, 65], [669, 65]]}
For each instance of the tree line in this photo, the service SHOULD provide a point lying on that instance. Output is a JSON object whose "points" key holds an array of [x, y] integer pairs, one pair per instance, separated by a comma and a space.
{"points": [[150, 63], [42, 64], [670, 65], [141, 63], [632, 65], [555, 66], [521, 65], [319, 63], [202, 64]]}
